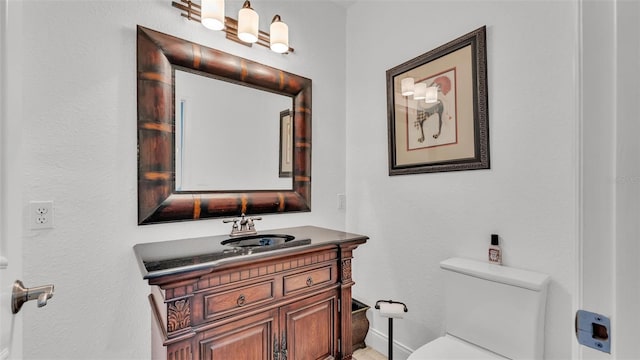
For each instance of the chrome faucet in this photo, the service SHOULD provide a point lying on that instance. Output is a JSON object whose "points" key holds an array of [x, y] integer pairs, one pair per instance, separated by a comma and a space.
{"points": [[21, 295], [242, 225]]}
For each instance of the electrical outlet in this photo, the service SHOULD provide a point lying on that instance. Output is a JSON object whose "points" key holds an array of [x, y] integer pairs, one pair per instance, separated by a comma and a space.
{"points": [[41, 215]]}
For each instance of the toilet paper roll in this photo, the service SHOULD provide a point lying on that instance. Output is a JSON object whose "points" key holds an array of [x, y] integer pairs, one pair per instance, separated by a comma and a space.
{"points": [[392, 310]]}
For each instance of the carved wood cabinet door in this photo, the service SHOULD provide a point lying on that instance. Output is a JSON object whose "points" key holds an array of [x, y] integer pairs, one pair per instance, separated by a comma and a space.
{"points": [[252, 337], [309, 328]]}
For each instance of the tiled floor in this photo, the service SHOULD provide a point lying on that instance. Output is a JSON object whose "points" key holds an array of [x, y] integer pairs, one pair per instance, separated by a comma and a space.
{"points": [[368, 354]]}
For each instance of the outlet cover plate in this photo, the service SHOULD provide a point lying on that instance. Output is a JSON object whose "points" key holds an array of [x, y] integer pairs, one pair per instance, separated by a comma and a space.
{"points": [[40, 215]]}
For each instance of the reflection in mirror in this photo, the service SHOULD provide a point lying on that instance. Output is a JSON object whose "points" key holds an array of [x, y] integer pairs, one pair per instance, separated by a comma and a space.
{"points": [[286, 144], [228, 136]]}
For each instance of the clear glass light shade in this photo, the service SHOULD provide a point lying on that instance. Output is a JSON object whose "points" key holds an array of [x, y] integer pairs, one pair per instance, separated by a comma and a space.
{"points": [[407, 86], [212, 14], [279, 37], [248, 21], [431, 95], [419, 91]]}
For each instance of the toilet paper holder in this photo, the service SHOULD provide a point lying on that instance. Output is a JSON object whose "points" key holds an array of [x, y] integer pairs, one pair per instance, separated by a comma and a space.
{"points": [[390, 316], [377, 306]]}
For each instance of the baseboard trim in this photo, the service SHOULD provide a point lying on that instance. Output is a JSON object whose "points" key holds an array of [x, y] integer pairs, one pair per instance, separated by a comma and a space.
{"points": [[380, 343]]}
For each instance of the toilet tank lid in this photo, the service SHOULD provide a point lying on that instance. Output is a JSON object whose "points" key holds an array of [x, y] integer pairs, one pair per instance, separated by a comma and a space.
{"points": [[503, 274]]}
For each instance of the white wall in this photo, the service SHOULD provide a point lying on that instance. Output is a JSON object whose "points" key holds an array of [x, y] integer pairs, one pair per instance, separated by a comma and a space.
{"points": [[529, 196], [76, 145]]}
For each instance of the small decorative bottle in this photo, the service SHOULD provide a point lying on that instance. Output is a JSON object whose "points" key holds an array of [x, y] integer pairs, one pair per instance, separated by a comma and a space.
{"points": [[495, 254]]}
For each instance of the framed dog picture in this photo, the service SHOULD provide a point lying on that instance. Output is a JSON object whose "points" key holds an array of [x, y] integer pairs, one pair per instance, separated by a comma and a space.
{"points": [[437, 109]]}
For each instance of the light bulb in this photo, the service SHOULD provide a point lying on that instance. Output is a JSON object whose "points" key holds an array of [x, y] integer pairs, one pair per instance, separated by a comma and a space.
{"points": [[419, 91], [431, 95], [279, 37], [407, 86], [248, 21], [212, 14]]}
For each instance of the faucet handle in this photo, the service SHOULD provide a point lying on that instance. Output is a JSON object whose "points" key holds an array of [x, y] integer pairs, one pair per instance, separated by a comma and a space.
{"points": [[234, 221], [234, 227], [251, 225]]}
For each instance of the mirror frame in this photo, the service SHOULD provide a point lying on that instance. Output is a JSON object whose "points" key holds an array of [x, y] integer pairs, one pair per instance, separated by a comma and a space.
{"points": [[158, 201]]}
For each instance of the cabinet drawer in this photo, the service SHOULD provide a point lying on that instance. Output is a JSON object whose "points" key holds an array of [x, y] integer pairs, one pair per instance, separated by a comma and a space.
{"points": [[220, 303], [309, 279]]}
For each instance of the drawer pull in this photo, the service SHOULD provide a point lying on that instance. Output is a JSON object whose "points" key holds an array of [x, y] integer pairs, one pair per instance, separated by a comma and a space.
{"points": [[241, 300], [309, 281]]}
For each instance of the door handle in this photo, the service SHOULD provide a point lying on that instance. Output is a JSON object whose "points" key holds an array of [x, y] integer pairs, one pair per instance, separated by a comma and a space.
{"points": [[276, 349], [283, 346], [21, 295]]}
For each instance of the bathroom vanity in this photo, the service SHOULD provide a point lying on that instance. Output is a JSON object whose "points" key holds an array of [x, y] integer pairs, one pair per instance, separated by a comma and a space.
{"points": [[259, 298]]}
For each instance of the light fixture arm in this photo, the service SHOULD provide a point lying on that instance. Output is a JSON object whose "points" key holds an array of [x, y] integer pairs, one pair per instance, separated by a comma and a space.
{"points": [[191, 11]]}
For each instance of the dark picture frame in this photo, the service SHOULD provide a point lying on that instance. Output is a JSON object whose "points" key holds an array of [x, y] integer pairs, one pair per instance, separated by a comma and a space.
{"points": [[451, 132], [285, 165]]}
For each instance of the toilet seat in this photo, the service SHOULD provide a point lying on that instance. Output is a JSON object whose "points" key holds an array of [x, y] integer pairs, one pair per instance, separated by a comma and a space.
{"points": [[450, 347]]}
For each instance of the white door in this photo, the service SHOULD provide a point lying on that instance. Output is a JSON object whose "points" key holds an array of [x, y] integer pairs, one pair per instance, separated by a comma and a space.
{"points": [[609, 273], [10, 253], [13, 207]]}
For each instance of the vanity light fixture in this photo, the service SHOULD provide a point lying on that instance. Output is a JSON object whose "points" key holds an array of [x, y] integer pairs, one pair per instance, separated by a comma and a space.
{"points": [[279, 39], [420, 91], [212, 14], [245, 30], [248, 21]]}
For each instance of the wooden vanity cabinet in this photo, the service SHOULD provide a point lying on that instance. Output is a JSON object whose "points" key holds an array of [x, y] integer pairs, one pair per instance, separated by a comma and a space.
{"points": [[293, 306]]}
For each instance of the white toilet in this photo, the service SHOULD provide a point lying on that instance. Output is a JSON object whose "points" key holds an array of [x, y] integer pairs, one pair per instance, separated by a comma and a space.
{"points": [[492, 312]]}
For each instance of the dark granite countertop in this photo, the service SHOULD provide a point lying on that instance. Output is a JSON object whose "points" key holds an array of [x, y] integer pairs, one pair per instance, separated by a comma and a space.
{"points": [[184, 255]]}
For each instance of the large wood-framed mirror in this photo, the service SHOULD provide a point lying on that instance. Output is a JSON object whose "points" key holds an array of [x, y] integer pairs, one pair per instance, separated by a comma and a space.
{"points": [[159, 200]]}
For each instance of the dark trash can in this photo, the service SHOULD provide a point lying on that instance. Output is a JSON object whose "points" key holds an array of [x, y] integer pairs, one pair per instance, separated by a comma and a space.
{"points": [[359, 324]]}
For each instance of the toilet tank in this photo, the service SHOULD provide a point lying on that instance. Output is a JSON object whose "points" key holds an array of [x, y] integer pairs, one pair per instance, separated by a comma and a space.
{"points": [[496, 307]]}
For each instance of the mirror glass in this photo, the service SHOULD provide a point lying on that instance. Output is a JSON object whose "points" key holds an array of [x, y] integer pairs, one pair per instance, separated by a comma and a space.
{"points": [[228, 136]]}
